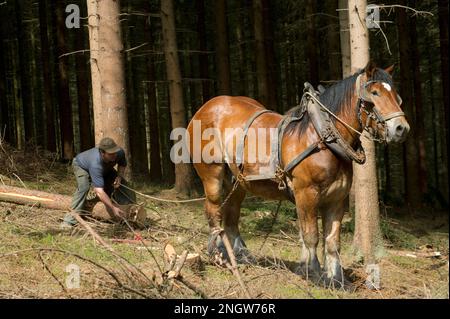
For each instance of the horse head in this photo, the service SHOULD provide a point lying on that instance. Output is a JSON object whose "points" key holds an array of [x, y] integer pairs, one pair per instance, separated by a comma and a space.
{"points": [[380, 105]]}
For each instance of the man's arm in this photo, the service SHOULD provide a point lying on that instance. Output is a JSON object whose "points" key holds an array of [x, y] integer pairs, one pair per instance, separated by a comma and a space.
{"points": [[113, 210]]}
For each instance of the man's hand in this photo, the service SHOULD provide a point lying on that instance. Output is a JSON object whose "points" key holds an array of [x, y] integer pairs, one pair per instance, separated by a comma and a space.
{"points": [[117, 182], [118, 212]]}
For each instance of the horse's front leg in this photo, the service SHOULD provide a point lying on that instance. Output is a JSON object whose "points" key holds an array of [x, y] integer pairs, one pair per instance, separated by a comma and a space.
{"points": [[306, 200], [332, 219]]}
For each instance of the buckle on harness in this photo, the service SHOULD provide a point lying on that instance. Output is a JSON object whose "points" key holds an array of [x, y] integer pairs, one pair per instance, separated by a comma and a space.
{"points": [[280, 175]]}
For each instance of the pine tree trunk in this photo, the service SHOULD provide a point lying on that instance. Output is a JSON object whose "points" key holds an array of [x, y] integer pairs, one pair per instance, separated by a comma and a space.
{"points": [[183, 174], [260, 53], [65, 106], [443, 37], [18, 102], [344, 35], [47, 79], [367, 238], [132, 81], [110, 63], [82, 74], [413, 195], [153, 119], [420, 125], [5, 125], [93, 23], [311, 42], [345, 38], [222, 49], [23, 31], [203, 57], [273, 69], [243, 83], [334, 64]]}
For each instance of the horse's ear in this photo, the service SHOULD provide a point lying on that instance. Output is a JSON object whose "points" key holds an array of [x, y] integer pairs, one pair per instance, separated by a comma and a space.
{"points": [[390, 69], [370, 69]]}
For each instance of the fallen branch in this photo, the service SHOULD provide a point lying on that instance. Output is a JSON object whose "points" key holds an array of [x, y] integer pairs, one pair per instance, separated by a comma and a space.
{"points": [[233, 267]]}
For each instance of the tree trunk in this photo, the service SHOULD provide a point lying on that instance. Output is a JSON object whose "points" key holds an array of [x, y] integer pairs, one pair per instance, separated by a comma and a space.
{"points": [[61, 202], [344, 35], [23, 31], [65, 107], [110, 63], [260, 52], [153, 119], [273, 69], [47, 79], [222, 49], [242, 70], [183, 174], [5, 126], [93, 24], [86, 136], [345, 39], [203, 57], [420, 128], [443, 38], [367, 238], [311, 43], [132, 82], [413, 195], [333, 41]]}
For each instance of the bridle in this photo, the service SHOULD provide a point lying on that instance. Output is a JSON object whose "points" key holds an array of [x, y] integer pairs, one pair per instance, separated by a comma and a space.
{"points": [[366, 105]]}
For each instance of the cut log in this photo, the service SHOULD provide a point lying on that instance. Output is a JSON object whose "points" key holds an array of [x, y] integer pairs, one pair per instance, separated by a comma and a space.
{"points": [[133, 213]]}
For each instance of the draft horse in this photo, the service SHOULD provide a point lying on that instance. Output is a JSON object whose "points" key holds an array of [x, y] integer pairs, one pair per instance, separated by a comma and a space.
{"points": [[319, 180]]}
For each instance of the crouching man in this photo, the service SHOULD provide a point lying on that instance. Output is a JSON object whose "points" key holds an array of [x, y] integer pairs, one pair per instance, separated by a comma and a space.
{"points": [[96, 167]]}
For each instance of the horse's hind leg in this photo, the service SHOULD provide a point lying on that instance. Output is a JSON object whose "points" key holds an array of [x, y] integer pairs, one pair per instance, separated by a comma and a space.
{"points": [[332, 218], [212, 176], [231, 211]]}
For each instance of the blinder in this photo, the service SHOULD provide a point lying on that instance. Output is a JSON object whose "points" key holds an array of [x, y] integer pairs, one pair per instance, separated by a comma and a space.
{"points": [[366, 96]]}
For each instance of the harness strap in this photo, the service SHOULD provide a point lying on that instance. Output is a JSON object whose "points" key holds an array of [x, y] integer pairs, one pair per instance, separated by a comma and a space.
{"points": [[300, 157], [241, 142]]}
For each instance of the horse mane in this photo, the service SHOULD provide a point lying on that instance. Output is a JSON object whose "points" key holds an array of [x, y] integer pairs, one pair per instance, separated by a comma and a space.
{"points": [[336, 98]]}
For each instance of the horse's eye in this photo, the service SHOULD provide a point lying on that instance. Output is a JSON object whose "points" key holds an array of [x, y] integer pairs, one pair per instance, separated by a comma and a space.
{"points": [[375, 93]]}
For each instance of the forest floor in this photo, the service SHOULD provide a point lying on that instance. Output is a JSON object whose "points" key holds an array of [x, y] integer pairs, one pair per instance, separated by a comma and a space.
{"points": [[35, 253]]}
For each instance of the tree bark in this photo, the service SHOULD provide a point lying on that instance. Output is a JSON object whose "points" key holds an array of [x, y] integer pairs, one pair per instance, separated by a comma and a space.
{"points": [[420, 125], [443, 39], [273, 69], [345, 39], [93, 25], [153, 119], [367, 238], [110, 63], [47, 79], [4, 107], [23, 31], [65, 106], [260, 53], [333, 41], [203, 57], [311, 43], [61, 202], [183, 174], [222, 49], [413, 195], [82, 74]]}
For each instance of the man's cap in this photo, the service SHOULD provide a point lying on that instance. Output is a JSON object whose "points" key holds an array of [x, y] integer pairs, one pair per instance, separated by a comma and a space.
{"points": [[108, 145]]}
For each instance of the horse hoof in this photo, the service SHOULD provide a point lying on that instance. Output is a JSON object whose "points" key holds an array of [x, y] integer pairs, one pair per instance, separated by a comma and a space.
{"points": [[311, 270], [217, 248]]}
